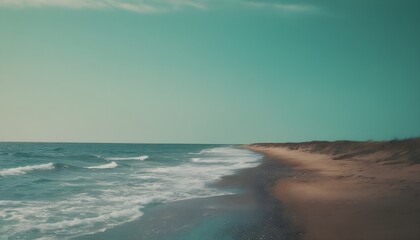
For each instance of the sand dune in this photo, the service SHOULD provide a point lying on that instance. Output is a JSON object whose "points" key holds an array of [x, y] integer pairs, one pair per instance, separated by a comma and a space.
{"points": [[350, 190]]}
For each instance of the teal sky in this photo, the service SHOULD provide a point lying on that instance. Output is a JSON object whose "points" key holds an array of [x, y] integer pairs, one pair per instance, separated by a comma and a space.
{"points": [[196, 71]]}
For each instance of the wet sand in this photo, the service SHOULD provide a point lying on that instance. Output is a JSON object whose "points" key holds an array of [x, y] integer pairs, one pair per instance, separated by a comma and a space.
{"points": [[350, 190]]}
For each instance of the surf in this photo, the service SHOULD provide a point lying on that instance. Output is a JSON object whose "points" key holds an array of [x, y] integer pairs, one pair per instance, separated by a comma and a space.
{"points": [[104, 166], [140, 158], [26, 169]]}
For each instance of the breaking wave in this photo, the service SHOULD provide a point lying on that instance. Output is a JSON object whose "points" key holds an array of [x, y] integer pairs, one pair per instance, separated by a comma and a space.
{"points": [[26, 169], [141, 158], [104, 166]]}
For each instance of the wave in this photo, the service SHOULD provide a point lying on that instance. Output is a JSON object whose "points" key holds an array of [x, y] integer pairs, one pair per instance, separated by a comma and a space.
{"points": [[57, 153], [141, 158], [104, 166], [223, 151], [5, 153], [25, 169], [83, 157], [131, 214], [42, 180], [210, 160], [62, 165], [22, 154], [93, 211]]}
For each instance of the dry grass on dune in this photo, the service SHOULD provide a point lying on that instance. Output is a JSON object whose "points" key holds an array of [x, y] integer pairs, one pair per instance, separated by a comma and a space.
{"points": [[394, 151]]}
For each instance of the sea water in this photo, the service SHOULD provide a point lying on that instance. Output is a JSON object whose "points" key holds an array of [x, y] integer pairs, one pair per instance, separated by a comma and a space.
{"points": [[67, 190]]}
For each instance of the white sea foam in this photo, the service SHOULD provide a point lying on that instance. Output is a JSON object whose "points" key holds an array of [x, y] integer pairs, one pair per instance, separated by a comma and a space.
{"points": [[196, 159], [104, 166], [195, 175], [79, 215], [130, 213], [122, 200], [227, 161], [208, 160], [26, 169], [141, 158], [225, 151]]}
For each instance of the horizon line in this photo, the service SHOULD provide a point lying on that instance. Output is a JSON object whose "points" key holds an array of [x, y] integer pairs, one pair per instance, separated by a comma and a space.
{"points": [[94, 142], [186, 143]]}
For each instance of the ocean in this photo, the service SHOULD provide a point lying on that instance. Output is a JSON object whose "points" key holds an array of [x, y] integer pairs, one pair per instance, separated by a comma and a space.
{"points": [[78, 190]]}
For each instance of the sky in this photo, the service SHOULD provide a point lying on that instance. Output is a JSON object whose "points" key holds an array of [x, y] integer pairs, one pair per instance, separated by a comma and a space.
{"points": [[201, 71]]}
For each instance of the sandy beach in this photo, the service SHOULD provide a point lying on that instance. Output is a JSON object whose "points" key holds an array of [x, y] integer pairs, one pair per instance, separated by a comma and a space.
{"points": [[349, 190]]}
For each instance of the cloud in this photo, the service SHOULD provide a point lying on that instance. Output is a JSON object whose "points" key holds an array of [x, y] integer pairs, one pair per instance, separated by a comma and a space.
{"points": [[151, 6], [141, 6], [286, 7]]}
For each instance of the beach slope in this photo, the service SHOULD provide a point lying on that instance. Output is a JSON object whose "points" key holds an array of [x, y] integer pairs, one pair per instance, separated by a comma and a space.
{"points": [[350, 190]]}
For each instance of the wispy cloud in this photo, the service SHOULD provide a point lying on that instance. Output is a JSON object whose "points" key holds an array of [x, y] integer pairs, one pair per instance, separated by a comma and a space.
{"points": [[141, 6], [286, 7], [150, 6]]}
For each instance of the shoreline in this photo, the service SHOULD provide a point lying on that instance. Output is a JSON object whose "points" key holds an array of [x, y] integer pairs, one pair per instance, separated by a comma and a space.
{"points": [[251, 213], [335, 193]]}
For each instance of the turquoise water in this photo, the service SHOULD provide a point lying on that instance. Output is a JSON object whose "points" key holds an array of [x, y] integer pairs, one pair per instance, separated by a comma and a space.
{"points": [[67, 190]]}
